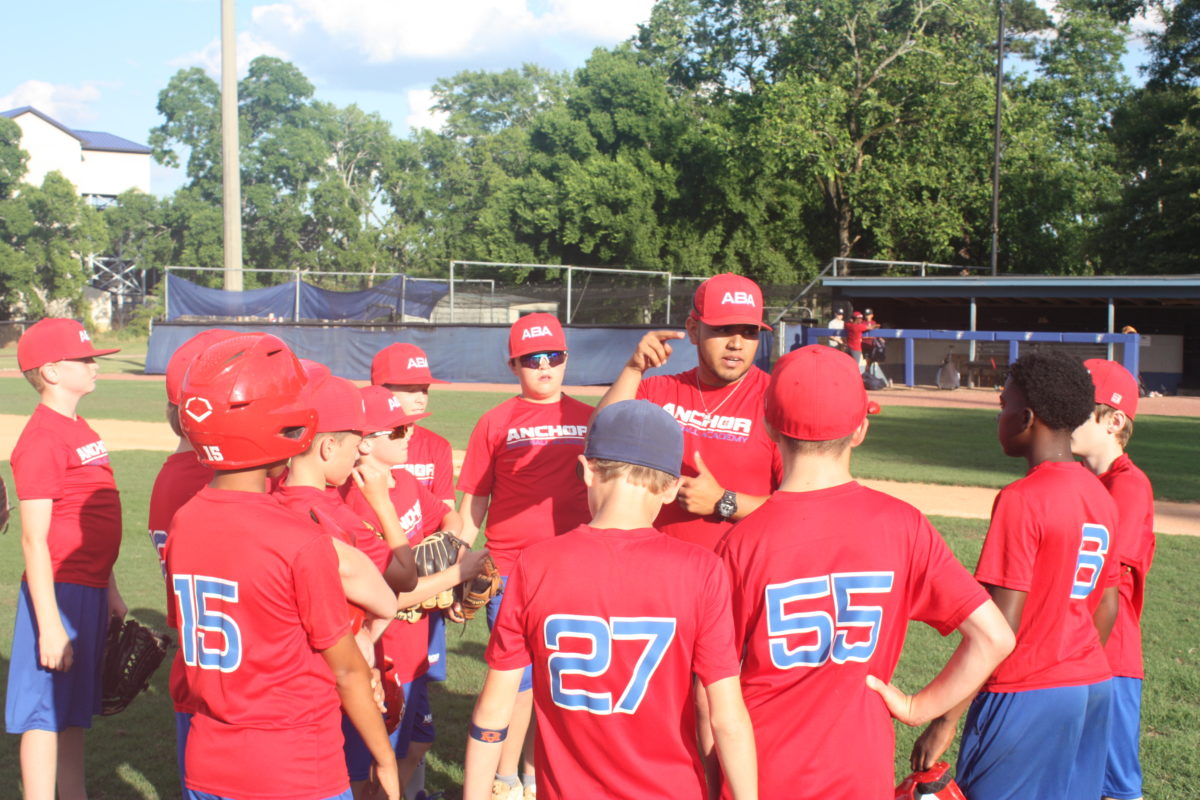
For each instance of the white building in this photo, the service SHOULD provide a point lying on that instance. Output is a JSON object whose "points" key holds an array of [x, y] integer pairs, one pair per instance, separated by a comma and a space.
{"points": [[100, 165]]}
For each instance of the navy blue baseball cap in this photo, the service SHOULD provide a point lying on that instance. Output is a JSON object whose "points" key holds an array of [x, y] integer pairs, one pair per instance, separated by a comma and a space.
{"points": [[637, 432]]}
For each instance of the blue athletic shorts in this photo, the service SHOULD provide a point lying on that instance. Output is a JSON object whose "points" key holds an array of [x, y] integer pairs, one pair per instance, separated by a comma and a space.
{"points": [[1123, 774], [417, 724], [183, 724], [192, 794], [358, 757], [46, 700], [1041, 743], [493, 610]]}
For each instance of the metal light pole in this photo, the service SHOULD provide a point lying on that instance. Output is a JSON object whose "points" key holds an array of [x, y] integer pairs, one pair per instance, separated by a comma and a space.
{"points": [[232, 181], [996, 139]]}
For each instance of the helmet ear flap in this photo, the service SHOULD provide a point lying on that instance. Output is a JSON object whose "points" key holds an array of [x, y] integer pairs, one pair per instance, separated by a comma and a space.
{"points": [[242, 403]]}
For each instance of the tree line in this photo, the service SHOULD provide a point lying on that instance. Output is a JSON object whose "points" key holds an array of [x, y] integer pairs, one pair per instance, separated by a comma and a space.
{"points": [[756, 136]]}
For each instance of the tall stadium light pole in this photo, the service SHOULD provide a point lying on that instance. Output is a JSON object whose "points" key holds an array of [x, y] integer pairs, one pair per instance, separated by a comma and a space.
{"points": [[229, 150], [996, 140]]}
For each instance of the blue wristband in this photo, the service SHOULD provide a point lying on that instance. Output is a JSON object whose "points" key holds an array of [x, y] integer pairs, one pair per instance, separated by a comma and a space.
{"points": [[487, 735]]}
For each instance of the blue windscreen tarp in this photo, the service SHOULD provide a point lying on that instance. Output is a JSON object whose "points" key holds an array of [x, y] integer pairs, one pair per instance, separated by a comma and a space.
{"points": [[391, 300], [187, 299]]}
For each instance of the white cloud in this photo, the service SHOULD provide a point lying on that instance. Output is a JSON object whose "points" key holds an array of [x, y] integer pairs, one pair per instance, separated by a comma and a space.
{"points": [[71, 105], [420, 111], [249, 47], [385, 31]]}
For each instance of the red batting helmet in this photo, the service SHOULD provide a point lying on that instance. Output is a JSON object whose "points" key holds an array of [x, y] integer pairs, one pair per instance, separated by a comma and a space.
{"points": [[933, 783], [240, 406]]}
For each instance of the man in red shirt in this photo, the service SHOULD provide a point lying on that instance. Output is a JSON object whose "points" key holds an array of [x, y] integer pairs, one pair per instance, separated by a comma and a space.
{"points": [[730, 465], [1039, 727], [403, 370], [613, 658], [519, 471], [855, 329], [826, 576]]}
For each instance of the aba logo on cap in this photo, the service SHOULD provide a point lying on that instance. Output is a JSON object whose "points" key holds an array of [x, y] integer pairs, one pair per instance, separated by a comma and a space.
{"points": [[393, 404], [535, 331], [738, 299], [83, 336], [418, 362]]}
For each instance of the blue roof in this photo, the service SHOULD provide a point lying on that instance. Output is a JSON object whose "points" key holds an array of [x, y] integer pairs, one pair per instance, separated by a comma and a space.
{"points": [[1177, 287], [89, 140]]}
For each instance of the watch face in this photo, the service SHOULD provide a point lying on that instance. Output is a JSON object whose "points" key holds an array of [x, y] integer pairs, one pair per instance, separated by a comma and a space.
{"points": [[727, 504]]}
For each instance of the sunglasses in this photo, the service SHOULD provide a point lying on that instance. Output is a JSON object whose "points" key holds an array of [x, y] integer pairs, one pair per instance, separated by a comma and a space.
{"points": [[394, 434], [538, 360]]}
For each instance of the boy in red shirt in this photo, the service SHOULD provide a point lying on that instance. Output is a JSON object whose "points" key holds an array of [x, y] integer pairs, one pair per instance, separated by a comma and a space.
{"points": [[403, 370], [259, 606], [614, 656], [416, 642], [1101, 443], [1039, 727], [178, 480], [519, 472], [70, 537], [826, 576]]}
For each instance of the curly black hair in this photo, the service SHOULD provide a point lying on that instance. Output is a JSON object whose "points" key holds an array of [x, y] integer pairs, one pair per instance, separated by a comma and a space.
{"points": [[1057, 387]]}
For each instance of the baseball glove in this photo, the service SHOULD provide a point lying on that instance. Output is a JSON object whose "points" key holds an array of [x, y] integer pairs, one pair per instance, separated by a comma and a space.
{"points": [[475, 593], [5, 508], [437, 552], [131, 655]]}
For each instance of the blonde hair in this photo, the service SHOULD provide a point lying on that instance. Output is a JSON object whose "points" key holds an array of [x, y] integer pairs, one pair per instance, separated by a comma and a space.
{"points": [[655, 480], [1123, 433]]}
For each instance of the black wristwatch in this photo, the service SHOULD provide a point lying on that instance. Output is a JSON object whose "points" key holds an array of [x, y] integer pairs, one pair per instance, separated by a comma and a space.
{"points": [[727, 505]]}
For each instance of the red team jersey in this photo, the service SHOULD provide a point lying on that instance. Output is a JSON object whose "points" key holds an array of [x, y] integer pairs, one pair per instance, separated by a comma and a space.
{"points": [[1131, 490], [181, 476], [613, 658], [257, 595], [406, 643], [524, 454], [1052, 535], [431, 462], [62, 459], [824, 585], [854, 334], [726, 426]]}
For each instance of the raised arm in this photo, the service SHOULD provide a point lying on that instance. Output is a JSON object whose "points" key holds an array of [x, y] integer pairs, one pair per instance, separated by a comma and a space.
{"points": [[652, 351]]}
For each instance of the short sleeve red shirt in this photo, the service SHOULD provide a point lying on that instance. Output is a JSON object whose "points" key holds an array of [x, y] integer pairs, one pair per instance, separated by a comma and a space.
{"points": [[854, 334], [181, 476], [1134, 497], [824, 584], [523, 454], [613, 658], [1052, 536], [62, 459], [431, 462], [420, 513], [726, 427], [257, 597]]}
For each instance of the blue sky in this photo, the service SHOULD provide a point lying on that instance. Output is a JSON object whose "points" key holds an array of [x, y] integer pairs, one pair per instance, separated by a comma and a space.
{"points": [[100, 66]]}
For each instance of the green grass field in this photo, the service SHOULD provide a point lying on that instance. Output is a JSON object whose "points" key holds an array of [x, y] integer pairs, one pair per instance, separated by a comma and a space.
{"points": [[132, 755]]}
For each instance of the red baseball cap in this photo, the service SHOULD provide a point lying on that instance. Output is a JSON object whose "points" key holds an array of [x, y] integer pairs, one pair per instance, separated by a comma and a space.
{"points": [[536, 333], [816, 394], [857, 315], [401, 364], [1115, 386], [183, 356], [338, 404], [383, 411], [55, 339], [729, 299]]}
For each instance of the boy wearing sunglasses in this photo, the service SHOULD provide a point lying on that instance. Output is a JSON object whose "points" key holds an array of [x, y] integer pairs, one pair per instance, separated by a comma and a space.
{"points": [[519, 472], [403, 369], [416, 643]]}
